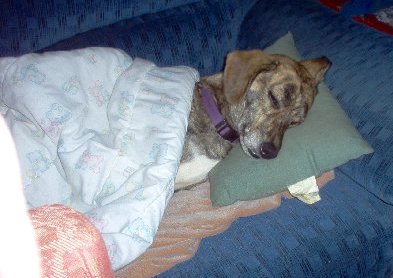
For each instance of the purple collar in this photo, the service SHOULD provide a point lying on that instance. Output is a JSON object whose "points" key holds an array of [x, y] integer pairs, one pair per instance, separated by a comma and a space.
{"points": [[222, 127]]}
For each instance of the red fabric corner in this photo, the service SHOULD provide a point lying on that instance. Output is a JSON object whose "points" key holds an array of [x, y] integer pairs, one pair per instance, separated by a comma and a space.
{"points": [[373, 22], [335, 5]]}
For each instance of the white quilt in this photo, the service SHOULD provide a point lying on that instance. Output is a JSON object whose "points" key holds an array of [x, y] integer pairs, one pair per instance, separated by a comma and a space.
{"points": [[102, 133]]}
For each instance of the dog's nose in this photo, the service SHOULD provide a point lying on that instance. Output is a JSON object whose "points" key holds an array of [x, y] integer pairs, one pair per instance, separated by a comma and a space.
{"points": [[253, 154], [268, 150]]}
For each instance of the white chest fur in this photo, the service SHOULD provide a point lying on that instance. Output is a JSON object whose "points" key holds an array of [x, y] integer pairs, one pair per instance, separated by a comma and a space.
{"points": [[194, 171]]}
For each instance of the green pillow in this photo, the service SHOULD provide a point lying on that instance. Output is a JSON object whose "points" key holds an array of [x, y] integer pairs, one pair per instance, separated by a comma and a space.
{"points": [[324, 141]]}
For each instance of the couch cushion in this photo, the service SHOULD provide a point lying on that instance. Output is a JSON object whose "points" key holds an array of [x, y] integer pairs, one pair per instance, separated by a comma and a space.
{"points": [[360, 7], [31, 25], [349, 233], [197, 35], [360, 76]]}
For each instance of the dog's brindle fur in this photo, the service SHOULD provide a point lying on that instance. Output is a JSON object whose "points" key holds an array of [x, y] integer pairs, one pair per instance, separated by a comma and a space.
{"points": [[260, 96]]}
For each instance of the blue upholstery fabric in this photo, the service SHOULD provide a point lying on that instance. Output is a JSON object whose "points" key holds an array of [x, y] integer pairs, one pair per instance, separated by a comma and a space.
{"points": [[360, 77], [361, 7], [349, 233], [198, 35], [27, 26]]}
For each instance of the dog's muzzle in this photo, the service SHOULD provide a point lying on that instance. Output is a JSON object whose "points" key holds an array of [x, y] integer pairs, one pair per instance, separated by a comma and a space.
{"points": [[267, 151]]}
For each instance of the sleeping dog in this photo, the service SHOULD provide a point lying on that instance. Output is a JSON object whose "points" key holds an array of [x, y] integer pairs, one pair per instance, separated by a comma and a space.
{"points": [[252, 102]]}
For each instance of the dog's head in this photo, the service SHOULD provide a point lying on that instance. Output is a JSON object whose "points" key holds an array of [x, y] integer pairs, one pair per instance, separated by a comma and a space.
{"points": [[267, 94]]}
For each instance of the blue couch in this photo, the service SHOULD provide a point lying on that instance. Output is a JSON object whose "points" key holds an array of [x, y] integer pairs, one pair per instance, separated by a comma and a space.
{"points": [[347, 234]]}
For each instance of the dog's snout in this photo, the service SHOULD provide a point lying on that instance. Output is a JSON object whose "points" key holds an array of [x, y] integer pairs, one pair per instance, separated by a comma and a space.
{"points": [[268, 150], [253, 154]]}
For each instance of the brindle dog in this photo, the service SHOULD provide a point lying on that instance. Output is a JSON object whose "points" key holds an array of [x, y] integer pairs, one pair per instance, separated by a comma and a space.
{"points": [[260, 96]]}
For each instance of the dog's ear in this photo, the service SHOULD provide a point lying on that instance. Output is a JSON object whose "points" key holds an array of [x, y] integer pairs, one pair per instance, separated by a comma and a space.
{"points": [[317, 67], [240, 69]]}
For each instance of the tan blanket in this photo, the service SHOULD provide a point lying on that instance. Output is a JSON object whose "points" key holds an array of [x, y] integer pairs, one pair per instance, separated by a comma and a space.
{"points": [[190, 217]]}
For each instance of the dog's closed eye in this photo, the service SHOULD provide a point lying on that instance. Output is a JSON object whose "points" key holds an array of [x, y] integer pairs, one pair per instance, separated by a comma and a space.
{"points": [[288, 92], [273, 100]]}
